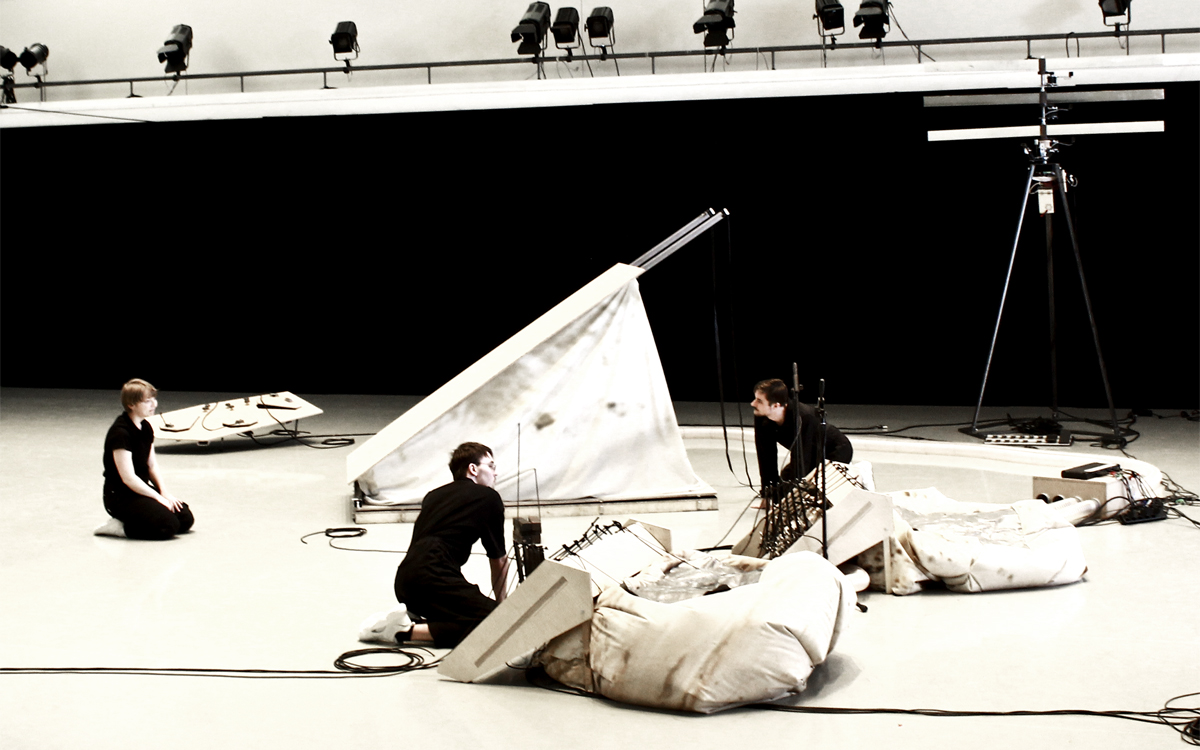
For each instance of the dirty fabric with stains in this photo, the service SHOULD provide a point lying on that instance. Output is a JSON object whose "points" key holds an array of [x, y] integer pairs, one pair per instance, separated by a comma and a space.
{"points": [[973, 547], [753, 643], [586, 411]]}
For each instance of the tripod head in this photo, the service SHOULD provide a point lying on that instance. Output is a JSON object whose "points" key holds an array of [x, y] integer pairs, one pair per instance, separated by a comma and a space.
{"points": [[1045, 147]]}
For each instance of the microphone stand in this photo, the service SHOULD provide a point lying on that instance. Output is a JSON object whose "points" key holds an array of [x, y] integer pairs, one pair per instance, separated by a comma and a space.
{"points": [[821, 436], [797, 454]]}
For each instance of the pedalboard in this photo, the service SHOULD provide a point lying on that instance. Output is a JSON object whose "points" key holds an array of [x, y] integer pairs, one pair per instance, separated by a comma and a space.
{"points": [[1021, 438]]}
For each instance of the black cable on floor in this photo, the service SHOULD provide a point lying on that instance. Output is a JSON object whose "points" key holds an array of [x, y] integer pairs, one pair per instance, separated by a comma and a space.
{"points": [[412, 659], [1185, 721]]}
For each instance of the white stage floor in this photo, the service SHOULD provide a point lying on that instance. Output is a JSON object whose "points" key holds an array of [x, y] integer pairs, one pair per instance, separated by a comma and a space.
{"points": [[242, 592]]}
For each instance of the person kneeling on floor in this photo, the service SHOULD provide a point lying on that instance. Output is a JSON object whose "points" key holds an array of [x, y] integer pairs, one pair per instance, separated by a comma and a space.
{"points": [[429, 580], [134, 495]]}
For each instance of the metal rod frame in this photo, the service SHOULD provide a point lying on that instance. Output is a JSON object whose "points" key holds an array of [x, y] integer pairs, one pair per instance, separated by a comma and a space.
{"points": [[653, 57]]}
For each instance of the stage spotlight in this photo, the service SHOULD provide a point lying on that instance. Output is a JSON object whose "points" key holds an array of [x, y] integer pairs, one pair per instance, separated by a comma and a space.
{"points": [[345, 41], [176, 49], [34, 55], [831, 16], [566, 26], [600, 32], [872, 15], [1118, 9], [566, 31], [531, 31], [600, 27], [716, 23], [8, 59]]}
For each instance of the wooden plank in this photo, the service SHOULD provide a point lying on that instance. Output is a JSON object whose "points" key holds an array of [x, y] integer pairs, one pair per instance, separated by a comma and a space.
{"points": [[205, 422], [552, 600], [858, 522]]}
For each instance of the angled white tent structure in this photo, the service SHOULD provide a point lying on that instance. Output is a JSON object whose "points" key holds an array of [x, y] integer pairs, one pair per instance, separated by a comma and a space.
{"points": [[575, 407]]}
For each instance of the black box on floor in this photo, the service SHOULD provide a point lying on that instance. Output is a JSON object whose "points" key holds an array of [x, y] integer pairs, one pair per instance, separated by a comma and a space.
{"points": [[1090, 471]]}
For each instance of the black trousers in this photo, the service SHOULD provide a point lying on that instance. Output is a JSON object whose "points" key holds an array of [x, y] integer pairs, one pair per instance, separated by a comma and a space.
{"points": [[145, 517], [429, 583]]}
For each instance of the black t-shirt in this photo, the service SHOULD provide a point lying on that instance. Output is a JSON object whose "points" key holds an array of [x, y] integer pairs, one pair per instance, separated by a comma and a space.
{"points": [[460, 513], [123, 435]]}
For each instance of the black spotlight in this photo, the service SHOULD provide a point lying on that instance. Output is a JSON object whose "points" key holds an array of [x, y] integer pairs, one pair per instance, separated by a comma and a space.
{"points": [[531, 31], [345, 40], [1118, 9], [831, 16], [566, 31], [600, 27], [8, 59], [176, 49], [872, 15], [565, 27], [715, 23], [34, 55]]}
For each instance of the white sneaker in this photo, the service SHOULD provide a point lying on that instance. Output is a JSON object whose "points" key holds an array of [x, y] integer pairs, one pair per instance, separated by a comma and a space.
{"points": [[382, 627], [111, 527]]}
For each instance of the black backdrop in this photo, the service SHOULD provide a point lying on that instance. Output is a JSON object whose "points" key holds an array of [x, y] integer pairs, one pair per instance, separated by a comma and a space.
{"points": [[383, 254]]}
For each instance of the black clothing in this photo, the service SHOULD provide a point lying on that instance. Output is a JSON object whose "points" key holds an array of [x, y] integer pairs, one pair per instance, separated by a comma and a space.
{"points": [[767, 435], [146, 518], [124, 435], [429, 580], [143, 517]]}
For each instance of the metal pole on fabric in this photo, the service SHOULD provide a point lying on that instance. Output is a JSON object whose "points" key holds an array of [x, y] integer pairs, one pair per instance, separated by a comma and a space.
{"points": [[683, 236], [823, 498], [682, 231]]}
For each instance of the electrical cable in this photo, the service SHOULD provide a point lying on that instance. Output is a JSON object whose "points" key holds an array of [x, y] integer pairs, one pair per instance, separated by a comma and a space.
{"points": [[344, 664], [1184, 720], [719, 359], [918, 51], [737, 520], [77, 114], [350, 532], [300, 436], [331, 441]]}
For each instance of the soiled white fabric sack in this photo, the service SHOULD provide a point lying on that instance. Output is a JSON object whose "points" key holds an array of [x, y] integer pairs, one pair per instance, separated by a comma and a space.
{"points": [[974, 547], [754, 643]]}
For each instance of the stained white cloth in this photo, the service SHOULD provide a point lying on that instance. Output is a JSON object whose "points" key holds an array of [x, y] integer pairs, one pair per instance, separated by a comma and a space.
{"points": [[755, 643], [595, 418], [973, 547]]}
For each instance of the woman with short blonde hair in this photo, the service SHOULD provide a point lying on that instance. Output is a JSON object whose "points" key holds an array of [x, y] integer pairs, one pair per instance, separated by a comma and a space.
{"points": [[133, 488]]}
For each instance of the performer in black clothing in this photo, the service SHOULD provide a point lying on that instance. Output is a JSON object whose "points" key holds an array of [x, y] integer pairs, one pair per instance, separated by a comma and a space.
{"points": [[133, 490], [429, 580], [775, 424]]}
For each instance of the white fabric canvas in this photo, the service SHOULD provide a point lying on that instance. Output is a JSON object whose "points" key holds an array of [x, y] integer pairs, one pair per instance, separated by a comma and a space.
{"points": [[589, 402], [751, 644], [973, 547]]}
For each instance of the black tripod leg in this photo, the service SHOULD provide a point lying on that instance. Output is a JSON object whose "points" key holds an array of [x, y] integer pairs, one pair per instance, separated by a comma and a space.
{"points": [[1003, 297], [1087, 299], [1053, 320]]}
